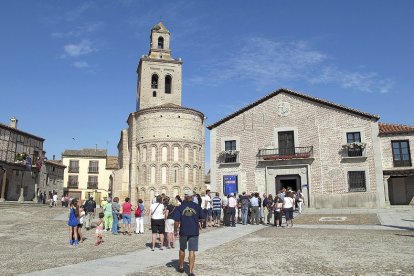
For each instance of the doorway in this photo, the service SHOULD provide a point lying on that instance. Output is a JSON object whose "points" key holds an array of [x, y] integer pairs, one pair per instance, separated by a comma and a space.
{"points": [[285, 181]]}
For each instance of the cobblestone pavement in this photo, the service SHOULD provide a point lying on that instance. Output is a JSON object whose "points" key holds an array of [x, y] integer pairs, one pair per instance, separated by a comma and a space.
{"points": [[293, 251], [32, 240]]}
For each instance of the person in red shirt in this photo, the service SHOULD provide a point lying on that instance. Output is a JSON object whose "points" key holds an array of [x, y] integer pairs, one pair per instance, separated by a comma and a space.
{"points": [[126, 217]]}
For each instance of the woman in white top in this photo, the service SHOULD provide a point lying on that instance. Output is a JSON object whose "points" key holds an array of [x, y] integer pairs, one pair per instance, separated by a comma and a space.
{"points": [[157, 212], [288, 203]]}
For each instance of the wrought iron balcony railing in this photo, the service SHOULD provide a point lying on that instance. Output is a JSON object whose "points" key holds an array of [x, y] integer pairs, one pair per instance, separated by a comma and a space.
{"points": [[285, 153], [73, 185], [92, 185], [229, 157], [73, 169], [93, 170]]}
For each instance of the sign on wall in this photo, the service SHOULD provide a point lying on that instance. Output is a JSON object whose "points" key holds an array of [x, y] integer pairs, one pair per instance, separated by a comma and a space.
{"points": [[230, 184]]}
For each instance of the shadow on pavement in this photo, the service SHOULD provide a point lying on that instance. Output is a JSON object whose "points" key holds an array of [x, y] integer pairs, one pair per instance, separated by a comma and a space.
{"points": [[400, 227], [174, 264], [403, 235]]}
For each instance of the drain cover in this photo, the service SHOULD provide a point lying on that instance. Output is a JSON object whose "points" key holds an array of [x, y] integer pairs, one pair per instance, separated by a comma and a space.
{"points": [[332, 219]]}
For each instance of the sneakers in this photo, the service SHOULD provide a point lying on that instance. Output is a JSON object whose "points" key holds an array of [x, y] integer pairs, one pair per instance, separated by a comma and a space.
{"points": [[70, 242]]}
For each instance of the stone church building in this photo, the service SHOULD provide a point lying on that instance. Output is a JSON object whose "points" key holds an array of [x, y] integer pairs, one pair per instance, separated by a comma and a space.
{"points": [[338, 156], [162, 150]]}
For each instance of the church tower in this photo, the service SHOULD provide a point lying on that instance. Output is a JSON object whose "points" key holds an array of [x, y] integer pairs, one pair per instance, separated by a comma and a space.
{"points": [[159, 75]]}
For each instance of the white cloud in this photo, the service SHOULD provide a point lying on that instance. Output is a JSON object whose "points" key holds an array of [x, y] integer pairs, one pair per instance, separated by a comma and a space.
{"points": [[81, 64], [77, 12], [269, 63], [80, 30], [83, 48]]}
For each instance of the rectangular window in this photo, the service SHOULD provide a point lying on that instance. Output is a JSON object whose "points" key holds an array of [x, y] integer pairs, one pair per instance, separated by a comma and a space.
{"points": [[93, 167], [286, 140], [353, 149], [73, 181], [401, 153], [230, 145], [357, 181], [92, 182], [74, 166]]}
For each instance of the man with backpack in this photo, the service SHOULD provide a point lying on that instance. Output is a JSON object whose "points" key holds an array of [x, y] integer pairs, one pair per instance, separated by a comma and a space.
{"points": [[90, 209]]}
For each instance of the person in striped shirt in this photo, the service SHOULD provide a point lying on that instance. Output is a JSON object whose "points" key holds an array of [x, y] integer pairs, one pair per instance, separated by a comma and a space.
{"points": [[216, 210]]}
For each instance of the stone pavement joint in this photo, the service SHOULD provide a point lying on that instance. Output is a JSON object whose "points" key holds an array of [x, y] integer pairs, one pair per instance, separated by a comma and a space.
{"points": [[141, 260]]}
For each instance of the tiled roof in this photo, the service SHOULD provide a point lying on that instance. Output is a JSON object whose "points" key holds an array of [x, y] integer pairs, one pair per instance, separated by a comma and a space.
{"points": [[112, 162], [167, 106], [297, 94], [394, 129], [56, 163], [85, 153], [22, 132]]}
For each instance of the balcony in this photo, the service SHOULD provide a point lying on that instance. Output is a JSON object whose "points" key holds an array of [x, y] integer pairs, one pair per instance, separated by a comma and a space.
{"points": [[93, 170], [73, 185], [93, 185], [74, 169], [285, 153], [229, 157], [354, 150]]}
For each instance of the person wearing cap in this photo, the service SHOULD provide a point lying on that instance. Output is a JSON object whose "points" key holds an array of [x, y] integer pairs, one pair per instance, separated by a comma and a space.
{"points": [[186, 218], [90, 209]]}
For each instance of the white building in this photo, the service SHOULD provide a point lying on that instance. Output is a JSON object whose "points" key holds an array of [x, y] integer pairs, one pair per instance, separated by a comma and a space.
{"points": [[332, 152], [162, 150]]}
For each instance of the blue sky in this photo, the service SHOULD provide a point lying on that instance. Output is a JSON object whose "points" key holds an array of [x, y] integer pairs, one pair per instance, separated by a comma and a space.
{"points": [[68, 68]]}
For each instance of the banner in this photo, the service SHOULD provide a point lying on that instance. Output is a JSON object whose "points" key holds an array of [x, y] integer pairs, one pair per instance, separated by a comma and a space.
{"points": [[230, 184]]}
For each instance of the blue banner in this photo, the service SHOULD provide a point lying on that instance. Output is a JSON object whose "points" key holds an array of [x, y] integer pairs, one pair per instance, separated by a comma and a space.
{"points": [[230, 184]]}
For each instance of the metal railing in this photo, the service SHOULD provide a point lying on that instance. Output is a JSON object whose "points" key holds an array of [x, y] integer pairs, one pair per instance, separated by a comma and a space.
{"points": [[74, 169], [229, 157], [92, 185], [93, 169], [285, 153], [73, 185]]}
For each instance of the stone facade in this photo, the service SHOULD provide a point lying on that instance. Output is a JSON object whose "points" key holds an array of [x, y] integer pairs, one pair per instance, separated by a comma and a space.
{"points": [[398, 176], [162, 150], [320, 130]]}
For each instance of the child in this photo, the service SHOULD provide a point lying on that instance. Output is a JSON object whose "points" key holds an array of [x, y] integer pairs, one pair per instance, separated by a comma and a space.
{"points": [[80, 224], [73, 222], [99, 229]]}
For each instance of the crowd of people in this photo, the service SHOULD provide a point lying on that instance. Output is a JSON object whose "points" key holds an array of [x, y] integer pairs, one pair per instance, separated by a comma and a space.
{"points": [[117, 218]]}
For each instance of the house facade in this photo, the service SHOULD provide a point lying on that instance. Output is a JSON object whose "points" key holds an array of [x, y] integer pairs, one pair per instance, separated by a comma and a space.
{"points": [[397, 156], [162, 150], [87, 173], [287, 139], [21, 163]]}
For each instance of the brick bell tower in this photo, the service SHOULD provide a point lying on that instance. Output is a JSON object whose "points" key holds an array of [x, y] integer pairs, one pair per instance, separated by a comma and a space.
{"points": [[159, 75]]}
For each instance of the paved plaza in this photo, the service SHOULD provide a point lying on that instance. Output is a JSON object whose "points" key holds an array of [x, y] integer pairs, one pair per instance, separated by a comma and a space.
{"points": [[34, 240]]}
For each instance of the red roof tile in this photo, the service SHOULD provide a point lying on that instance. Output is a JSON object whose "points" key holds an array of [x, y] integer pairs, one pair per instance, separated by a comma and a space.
{"points": [[394, 129]]}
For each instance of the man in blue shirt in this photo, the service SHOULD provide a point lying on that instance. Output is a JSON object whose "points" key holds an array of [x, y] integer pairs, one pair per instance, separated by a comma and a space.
{"points": [[187, 217]]}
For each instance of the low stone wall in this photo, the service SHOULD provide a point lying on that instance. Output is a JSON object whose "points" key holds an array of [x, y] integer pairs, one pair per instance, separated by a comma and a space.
{"points": [[349, 200]]}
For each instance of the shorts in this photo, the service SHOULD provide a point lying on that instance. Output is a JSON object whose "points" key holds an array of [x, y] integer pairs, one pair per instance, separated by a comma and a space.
{"points": [[158, 226], [216, 214], [126, 219], [80, 225], [169, 226], [209, 212], [288, 213], [192, 242]]}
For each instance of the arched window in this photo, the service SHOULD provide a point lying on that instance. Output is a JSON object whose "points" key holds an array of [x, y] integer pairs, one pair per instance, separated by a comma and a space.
{"points": [[154, 81], [168, 84], [160, 42]]}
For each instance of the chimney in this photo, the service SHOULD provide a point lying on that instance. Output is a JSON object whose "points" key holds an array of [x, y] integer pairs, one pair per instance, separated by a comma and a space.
{"points": [[13, 122]]}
